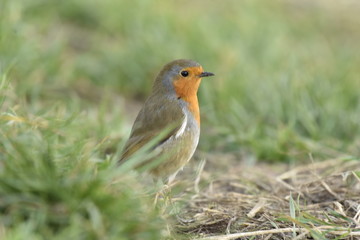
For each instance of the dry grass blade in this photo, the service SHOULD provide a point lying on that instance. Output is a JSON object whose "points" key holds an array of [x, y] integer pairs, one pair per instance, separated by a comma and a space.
{"points": [[252, 234], [274, 231]]}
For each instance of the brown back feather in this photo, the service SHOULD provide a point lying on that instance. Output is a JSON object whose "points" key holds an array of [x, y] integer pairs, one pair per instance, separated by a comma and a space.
{"points": [[155, 117]]}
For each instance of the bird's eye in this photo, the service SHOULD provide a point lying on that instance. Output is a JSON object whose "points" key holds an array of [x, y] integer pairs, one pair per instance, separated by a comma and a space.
{"points": [[184, 73]]}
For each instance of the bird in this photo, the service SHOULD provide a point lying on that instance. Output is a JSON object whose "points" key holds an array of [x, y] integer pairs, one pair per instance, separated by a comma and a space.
{"points": [[173, 105]]}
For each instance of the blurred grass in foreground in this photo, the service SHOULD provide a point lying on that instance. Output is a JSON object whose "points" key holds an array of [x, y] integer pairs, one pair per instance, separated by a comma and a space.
{"points": [[54, 186], [287, 83]]}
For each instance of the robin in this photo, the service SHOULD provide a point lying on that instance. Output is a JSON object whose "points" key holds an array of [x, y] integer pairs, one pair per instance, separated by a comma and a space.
{"points": [[172, 104]]}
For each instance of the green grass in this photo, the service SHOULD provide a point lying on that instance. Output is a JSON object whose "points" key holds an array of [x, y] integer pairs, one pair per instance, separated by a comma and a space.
{"points": [[56, 184], [287, 80]]}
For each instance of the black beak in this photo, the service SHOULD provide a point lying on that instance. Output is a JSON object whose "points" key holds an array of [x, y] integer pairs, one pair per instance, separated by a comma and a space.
{"points": [[206, 74]]}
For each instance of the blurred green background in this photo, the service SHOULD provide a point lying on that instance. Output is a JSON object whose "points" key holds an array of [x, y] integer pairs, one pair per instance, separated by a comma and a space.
{"points": [[74, 73]]}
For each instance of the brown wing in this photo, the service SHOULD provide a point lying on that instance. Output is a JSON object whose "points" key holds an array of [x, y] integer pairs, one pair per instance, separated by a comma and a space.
{"points": [[153, 119]]}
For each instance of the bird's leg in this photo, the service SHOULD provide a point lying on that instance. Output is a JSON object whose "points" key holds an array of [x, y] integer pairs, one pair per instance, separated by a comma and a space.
{"points": [[159, 192], [165, 190], [163, 193]]}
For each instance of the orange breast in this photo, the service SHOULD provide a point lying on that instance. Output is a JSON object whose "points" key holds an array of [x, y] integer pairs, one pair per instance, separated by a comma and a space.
{"points": [[186, 89], [194, 107]]}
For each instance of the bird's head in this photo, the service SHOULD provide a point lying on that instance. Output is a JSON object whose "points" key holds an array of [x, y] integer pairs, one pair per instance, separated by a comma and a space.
{"points": [[181, 78]]}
